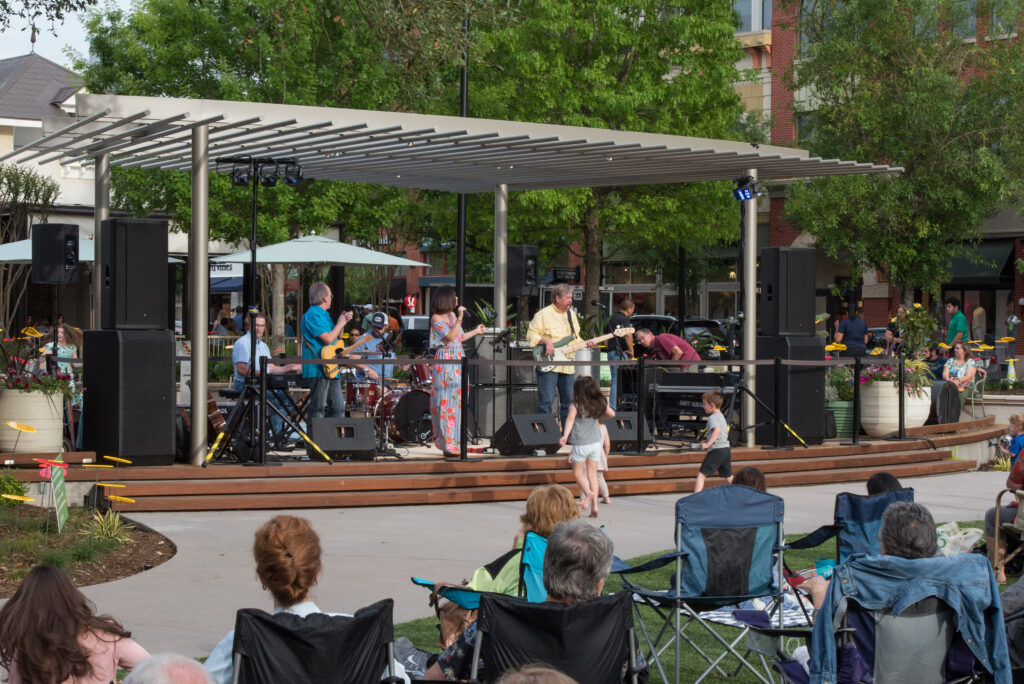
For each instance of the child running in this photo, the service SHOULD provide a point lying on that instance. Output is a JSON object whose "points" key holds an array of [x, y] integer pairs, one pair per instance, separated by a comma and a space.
{"points": [[719, 456], [582, 430]]}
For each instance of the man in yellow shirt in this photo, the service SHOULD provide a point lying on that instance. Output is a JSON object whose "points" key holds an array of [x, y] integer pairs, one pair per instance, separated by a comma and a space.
{"points": [[551, 324]]}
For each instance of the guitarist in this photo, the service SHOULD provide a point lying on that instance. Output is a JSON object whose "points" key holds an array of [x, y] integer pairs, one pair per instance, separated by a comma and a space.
{"points": [[551, 324], [326, 398]]}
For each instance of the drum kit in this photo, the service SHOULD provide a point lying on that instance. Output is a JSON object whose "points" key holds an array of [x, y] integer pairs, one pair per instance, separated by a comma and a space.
{"points": [[401, 412]]}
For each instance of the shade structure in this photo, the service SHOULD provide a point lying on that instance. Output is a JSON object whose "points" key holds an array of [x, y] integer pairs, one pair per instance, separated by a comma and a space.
{"points": [[20, 252], [315, 249]]}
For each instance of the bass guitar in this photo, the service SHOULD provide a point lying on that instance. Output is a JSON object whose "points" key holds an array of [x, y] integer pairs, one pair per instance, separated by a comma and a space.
{"points": [[569, 345], [339, 350]]}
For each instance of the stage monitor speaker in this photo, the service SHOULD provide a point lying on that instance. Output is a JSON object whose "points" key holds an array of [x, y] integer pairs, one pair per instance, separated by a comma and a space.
{"points": [[524, 434], [802, 390], [787, 291], [133, 274], [54, 253], [622, 431], [522, 269], [352, 437], [129, 398]]}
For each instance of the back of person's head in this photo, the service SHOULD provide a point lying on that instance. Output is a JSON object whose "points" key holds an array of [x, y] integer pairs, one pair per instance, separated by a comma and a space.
{"points": [[535, 674], [586, 393], [714, 398], [40, 626], [751, 477], [169, 668], [882, 482], [547, 506], [908, 531], [287, 553], [576, 562], [444, 300]]}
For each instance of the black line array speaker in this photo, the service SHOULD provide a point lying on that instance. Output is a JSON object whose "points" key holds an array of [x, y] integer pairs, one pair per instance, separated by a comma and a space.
{"points": [[622, 431], [802, 389], [522, 435], [522, 269], [133, 274], [54, 253], [787, 291], [129, 402], [345, 437]]}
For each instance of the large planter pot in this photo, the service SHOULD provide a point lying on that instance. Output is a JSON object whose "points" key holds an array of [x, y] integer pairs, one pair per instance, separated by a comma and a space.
{"points": [[842, 411], [879, 408], [42, 412]]}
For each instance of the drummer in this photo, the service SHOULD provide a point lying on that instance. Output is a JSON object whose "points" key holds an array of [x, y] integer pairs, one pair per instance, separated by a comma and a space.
{"points": [[377, 347]]}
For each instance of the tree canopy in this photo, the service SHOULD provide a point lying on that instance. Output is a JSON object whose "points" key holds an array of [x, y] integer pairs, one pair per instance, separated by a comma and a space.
{"points": [[902, 82], [32, 12]]}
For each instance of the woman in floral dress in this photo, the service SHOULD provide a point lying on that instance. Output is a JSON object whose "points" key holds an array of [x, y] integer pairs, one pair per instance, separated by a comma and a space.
{"points": [[446, 338]]}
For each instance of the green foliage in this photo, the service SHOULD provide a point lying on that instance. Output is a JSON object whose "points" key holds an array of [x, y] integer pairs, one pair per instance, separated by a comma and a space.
{"points": [[10, 484], [221, 371], [1003, 386], [1001, 463], [839, 383], [879, 82], [917, 326], [46, 12], [109, 525]]}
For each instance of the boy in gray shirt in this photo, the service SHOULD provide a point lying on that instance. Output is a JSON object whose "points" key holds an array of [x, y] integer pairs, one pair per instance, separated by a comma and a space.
{"points": [[719, 456]]}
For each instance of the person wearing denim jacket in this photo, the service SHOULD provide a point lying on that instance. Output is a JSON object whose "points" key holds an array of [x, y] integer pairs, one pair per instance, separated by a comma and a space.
{"points": [[964, 582]]}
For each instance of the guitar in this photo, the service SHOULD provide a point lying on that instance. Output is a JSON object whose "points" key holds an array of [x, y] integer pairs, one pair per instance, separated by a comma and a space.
{"points": [[568, 345], [336, 350], [214, 418]]}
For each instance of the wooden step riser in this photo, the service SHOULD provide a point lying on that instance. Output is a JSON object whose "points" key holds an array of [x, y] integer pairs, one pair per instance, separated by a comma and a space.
{"points": [[510, 493]]}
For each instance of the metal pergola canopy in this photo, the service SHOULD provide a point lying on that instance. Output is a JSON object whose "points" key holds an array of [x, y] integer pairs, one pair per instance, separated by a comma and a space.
{"points": [[409, 150]]}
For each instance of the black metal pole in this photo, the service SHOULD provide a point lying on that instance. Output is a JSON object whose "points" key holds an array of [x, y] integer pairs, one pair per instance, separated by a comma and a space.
{"points": [[641, 406], [254, 168], [460, 254], [263, 403], [777, 399], [855, 437], [681, 284]]}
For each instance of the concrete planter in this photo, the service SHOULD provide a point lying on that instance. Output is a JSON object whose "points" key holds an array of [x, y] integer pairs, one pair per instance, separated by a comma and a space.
{"points": [[879, 408], [37, 410]]}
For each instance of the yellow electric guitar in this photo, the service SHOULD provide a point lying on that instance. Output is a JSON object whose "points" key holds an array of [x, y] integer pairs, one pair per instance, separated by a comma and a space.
{"points": [[568, 345], [339, 350]]}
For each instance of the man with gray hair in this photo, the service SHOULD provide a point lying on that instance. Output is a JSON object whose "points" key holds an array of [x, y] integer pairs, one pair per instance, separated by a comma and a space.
{"points": [[555, 324], [169, 668], [325, 397], [576, 563]]}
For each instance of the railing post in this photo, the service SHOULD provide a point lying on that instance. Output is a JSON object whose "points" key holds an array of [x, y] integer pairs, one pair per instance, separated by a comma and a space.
{"points": [[855, 437], [641, 406]]}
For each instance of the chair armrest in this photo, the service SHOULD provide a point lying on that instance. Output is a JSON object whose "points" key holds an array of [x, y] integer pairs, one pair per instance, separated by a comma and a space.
{"points": [[620, 567], [459, 595], [815, 538]]}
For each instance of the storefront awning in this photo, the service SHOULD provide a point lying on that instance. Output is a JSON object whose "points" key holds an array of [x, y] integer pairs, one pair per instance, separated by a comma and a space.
{"points": [[987, 264]]}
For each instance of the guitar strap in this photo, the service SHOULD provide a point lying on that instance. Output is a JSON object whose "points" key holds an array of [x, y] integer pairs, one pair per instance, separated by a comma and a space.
{"points": [[323, 369], [572, 328]]}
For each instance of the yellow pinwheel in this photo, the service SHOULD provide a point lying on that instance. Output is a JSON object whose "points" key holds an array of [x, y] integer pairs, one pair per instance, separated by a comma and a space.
{"points": [[1007, 339], [944, 345], [20, 427], [117, 459], [29, 331], [876, 351]]}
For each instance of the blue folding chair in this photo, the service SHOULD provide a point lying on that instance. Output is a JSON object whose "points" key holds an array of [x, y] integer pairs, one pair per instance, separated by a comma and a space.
{"points": [[728, 550], [856, 522]]}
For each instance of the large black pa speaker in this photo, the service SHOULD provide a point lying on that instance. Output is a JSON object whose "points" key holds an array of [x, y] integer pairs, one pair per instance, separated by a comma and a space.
{"points": [[353, 437], [521, 375], [54, 253], [787, 291], [802, 390], [129, 398], [522, 269], [522, 435], [133, 274], [622, 431]]}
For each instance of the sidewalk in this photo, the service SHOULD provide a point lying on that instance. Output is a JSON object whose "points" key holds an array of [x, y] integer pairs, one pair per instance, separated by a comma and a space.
{"points": [[188, 603]]}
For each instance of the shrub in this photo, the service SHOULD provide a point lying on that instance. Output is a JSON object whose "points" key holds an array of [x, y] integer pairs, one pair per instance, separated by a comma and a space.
{"points": [[10, 484]]}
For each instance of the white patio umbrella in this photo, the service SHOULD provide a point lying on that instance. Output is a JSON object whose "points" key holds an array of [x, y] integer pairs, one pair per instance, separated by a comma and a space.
{"points": [[315, 249]]}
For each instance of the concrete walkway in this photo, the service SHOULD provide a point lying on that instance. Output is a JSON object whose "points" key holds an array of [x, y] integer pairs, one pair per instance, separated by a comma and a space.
{"points": [[188, 603]]}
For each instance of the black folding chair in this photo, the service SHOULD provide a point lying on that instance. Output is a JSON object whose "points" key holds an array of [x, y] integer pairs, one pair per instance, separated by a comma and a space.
{"points": [[318, 648], [592, 642]]}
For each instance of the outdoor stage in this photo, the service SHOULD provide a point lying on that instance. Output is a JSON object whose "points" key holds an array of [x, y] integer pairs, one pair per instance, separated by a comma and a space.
{"points": [[424, 478]]}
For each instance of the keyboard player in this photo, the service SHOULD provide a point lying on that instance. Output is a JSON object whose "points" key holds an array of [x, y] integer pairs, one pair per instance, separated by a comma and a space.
{"points": [[240, 358]]}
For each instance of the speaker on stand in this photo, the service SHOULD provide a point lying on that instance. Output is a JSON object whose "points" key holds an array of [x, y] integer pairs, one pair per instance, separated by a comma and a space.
{"points": [[787, 291], [133, 274]]}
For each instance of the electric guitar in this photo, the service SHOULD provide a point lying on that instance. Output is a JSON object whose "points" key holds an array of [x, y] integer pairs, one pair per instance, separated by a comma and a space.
{"points": [[568, 345], [336, 350]]}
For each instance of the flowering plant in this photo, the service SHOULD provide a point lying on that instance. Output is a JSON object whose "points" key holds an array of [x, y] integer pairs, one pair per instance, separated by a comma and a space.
{"points": [[915, 375], [839, 383], [916, 326], [19, 361]]}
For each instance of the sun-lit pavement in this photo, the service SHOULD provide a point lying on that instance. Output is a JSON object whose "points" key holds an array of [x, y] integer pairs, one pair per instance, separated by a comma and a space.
{"points": [[188, 603]]}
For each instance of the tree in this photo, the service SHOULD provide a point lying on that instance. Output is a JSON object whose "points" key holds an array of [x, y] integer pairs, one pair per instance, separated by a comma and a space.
{"points": [[24, 193], [650, 65], [33, 11], [895, 82]]}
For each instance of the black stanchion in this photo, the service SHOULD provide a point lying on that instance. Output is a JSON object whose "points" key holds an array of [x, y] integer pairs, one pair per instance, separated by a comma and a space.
{"points": [[901, 434], [641, 406], [463, 424], [262, 425], [855, 437]]}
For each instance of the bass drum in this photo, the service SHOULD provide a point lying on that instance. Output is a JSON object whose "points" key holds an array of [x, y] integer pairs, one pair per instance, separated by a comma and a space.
{"points": [[406, 414]]}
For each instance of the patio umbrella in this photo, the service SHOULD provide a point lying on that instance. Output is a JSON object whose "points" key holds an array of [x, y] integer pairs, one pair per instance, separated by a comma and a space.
{"points": [[315, 249]]}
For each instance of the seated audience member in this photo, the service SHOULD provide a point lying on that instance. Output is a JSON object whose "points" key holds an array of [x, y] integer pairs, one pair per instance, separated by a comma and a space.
{"points": [[169, 668], [935, 363], [1015, 480], [287, 553], [882, 482], [1013, 602], [49, 632], [751, 477], [576, 564], [535, 674]]}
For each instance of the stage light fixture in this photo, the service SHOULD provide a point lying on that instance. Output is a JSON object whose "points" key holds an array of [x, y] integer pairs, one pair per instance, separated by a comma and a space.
{"points": [[746, 189], [240, 176], [269, 176], [293, 175]]}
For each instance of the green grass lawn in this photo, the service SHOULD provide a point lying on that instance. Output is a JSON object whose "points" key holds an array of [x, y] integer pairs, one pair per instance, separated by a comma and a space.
{"points": [[423, 632]]}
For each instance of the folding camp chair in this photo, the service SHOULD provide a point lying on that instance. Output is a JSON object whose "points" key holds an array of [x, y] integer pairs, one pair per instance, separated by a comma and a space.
{"points": [[728, 550], [270, 649], [856, 522], [592, 642]]}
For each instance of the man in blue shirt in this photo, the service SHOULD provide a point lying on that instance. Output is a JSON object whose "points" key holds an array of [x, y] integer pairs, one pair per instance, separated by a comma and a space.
{"points": [[240, 357], [326, 398]]}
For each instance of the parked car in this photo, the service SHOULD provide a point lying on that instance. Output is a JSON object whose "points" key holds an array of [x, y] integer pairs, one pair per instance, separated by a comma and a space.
{"points": [[657, 324]]}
